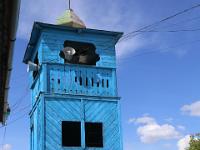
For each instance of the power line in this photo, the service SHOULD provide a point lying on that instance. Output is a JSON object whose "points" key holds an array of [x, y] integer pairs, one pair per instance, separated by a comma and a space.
{"points": [[4, 136], [164, 49], [131, 34], [22, 109], [181, 30], [182, 22], [18, 102], [15, 120]]}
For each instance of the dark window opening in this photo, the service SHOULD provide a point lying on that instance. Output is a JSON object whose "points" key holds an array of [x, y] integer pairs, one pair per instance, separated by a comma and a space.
{"points": [[79, 53], [86, 81], [94, 134], [80, 79], [71, 134], [107, 84], [36, 61], [92, 82], [58, 81], [102, 82], [98, 84]]}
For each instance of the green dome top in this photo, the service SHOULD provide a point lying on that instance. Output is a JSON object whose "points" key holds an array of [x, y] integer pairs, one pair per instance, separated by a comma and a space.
{"points": [[70, 19]]}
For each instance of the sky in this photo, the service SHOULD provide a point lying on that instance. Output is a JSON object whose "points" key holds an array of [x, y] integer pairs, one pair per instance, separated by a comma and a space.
{"points": [[158, 69]]}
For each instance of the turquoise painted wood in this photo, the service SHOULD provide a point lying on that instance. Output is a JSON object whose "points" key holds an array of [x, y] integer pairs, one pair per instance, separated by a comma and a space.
{"points": [[72, 92]]}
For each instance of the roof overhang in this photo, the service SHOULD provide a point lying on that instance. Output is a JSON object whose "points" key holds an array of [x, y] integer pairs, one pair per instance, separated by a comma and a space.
{"points": [[38, 27], [9, 16]]}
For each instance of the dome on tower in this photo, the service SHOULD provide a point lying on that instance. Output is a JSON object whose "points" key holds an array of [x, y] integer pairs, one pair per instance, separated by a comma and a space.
{"points": [[70, 19]]}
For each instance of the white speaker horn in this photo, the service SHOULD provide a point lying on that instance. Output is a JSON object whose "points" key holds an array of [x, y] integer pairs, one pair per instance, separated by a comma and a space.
{"points": [[32, 67], [69, 52]]}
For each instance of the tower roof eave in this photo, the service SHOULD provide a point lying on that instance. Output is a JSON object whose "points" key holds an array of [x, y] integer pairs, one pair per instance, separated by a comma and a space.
{"points": [[38, 27]]}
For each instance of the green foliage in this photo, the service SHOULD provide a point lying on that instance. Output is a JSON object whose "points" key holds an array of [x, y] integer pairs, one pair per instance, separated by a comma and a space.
{"points": [[194, 144]]}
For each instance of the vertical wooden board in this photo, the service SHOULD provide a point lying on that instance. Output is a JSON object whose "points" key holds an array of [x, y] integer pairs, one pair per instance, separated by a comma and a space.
{"points": [[72, 85], [52, 81], [62, 80], [39, 126], [107, 113], [32, 132], [35, 130]]}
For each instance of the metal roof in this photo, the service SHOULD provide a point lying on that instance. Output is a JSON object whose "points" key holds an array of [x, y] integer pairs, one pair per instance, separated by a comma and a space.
{"points": [[9, 14], [70, 19]]}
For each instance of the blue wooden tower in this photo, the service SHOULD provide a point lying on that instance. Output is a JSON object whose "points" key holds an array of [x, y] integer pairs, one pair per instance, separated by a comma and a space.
{"points": [[75, 104]]}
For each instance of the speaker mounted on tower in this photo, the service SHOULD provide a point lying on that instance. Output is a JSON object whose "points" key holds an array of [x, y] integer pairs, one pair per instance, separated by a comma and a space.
{"points": [[79, 53]]}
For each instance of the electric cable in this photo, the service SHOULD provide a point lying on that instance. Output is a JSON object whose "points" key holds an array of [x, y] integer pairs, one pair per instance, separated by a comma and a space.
{"points": [[4, 136], [181, 22], [21, 109], [17, 119], [131, 34], [18, 102], [165, 31], [164, 49]]}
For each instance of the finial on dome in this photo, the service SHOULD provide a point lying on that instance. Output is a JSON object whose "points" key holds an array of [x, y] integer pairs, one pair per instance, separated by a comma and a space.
{"points": [[70, 19]]}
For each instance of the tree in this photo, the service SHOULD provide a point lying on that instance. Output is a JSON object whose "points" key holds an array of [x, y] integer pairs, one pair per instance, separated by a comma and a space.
{"points": [[194, 143]]}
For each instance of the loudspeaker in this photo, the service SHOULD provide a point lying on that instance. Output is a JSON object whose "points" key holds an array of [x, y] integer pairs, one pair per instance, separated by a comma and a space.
{"points": [[32, 67]]}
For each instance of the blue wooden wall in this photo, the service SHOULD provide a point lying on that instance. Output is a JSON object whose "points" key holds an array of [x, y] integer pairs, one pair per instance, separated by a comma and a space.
{"points": [[52, 42], [69, 92], [84, 110]]}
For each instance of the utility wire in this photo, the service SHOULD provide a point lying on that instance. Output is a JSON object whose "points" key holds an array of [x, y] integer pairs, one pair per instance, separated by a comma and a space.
{"points": [[181, 30], [18, 102], [164, 49], [22, 109], [182, 22], [4, 136], [15, 120], [131, 34]]}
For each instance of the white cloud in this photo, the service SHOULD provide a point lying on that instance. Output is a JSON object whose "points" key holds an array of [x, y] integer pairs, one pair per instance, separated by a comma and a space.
{"points": [[150, 131], [7, 147], [145, 120], [192, 109], [109, 14], [37, 10], [128, 47], [183, 143]]}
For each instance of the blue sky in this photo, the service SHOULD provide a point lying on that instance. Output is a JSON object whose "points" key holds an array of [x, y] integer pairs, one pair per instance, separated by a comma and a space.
{"points": [[160, 90]]}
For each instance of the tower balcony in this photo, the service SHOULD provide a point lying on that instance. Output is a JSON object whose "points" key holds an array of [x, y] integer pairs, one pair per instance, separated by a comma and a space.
{"points": [[75, 80]]}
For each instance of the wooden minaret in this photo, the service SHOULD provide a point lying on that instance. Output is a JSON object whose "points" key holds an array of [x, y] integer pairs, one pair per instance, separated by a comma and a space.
{"points": [[72, 69]]}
